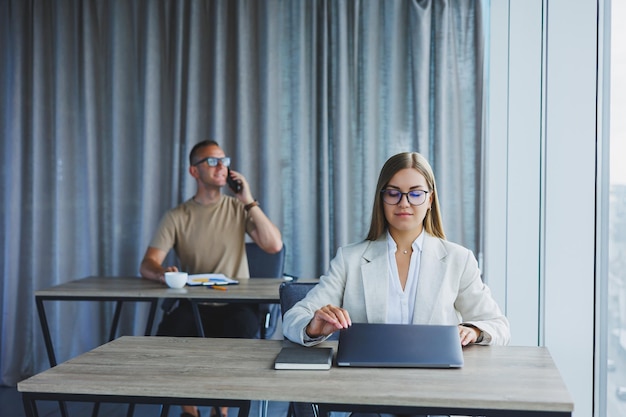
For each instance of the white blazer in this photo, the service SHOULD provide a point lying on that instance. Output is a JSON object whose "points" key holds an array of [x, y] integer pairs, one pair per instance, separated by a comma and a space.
{"points": [[449, 290]]}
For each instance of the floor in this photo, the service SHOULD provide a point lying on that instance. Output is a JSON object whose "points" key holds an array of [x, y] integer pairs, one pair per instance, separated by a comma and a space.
{"points": [[11, 406]]}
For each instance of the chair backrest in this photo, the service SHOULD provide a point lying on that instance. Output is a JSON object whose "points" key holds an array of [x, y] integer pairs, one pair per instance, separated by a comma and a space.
{"points": [[263, 264], [291, 292], [266, 265]]}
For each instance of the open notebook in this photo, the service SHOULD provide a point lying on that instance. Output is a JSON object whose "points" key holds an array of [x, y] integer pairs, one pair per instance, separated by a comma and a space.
{"points": [[210, 279]]}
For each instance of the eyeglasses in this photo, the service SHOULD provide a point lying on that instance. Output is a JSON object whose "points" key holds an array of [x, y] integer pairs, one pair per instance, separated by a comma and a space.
{"points": [[212, 162], [414, 197]]}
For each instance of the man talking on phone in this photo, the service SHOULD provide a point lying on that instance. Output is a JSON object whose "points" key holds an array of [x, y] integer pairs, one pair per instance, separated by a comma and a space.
{"points": [[207, 233]]}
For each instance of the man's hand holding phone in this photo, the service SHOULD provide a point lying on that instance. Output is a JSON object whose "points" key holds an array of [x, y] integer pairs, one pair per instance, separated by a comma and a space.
{"points": [[235, 184], [240, 187]]}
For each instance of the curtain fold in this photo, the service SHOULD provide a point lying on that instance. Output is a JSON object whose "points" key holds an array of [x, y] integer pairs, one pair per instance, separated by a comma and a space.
{"points": [[101, 102]]}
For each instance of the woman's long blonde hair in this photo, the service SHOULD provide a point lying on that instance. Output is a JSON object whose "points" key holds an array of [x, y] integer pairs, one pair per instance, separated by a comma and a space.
{"points": [[432, 221]]}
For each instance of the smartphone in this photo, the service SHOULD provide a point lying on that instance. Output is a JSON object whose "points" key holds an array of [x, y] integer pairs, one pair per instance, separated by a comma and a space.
{"points": [[234, 185]]}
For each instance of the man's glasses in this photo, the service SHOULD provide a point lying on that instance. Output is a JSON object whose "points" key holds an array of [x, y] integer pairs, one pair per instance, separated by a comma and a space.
{"points": [[414, 197], [212, 162]]}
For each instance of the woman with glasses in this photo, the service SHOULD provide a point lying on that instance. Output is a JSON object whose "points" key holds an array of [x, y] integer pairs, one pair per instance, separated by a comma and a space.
{"points": [[404, 272]]}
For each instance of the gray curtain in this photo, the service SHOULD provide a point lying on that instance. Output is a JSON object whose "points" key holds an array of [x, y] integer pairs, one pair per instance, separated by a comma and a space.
{"points": [[101, 102]]}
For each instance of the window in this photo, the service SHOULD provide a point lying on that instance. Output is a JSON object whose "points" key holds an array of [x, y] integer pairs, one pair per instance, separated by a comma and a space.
{"points": [[612, 389]]}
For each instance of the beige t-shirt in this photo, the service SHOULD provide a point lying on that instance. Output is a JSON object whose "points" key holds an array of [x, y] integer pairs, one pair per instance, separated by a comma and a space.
{"points": [[207, 239]]}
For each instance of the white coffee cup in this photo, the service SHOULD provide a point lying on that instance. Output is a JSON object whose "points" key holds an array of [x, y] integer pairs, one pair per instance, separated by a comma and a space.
{"points": [[176, 279]]}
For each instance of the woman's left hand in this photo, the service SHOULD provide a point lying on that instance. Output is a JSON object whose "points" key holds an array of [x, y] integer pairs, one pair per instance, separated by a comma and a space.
{"points": [[468, 334]]}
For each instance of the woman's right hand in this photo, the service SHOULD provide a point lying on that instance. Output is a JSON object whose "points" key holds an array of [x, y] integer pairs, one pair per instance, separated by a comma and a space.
{"points": [[327, 320]]}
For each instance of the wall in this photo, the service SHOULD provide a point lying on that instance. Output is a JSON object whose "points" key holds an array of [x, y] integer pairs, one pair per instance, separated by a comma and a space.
{"points": [[541, 170]]}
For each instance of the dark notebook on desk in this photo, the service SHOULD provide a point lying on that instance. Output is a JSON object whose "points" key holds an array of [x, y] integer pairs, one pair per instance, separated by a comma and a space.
{"points": [[300, 357], [400, 346]]}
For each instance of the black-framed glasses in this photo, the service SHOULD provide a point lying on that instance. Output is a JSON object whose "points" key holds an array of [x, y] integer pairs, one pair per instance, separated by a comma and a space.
{"points": [[414, 197], [212, 161]]}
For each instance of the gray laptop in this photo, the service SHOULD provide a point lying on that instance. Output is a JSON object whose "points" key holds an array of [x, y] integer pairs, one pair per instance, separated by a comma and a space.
{"points": [[400, 346]]}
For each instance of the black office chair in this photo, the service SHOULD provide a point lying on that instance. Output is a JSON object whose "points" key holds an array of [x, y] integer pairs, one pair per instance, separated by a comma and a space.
{"points": [[291, 292], [266, 265]]}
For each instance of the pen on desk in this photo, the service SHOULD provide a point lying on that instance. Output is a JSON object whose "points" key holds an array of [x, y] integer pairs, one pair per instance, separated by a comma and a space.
{"points": [[217, 287]]}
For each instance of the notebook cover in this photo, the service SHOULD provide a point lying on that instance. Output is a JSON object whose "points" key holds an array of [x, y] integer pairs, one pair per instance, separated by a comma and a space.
{"points": [[299, 357]]}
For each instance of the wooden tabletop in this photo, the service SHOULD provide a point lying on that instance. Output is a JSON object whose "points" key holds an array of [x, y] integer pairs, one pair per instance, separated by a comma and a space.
{"points": [[493, 377], [101, 287]]}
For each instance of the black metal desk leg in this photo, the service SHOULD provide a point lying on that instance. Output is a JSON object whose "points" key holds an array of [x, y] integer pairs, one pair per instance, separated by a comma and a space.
{"points": [[165, 410], [151, 315], [96, 410], [51, 356], [30, 407], [46, 331], [196, 314], [244, 410], [116, 319]]}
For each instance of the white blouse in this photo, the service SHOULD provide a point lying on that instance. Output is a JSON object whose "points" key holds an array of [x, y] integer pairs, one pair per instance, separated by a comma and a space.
{"points": [[401, 303]]}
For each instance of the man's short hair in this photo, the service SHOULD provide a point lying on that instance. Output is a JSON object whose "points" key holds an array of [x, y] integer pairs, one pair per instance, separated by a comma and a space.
{"points": [[197, 147]]}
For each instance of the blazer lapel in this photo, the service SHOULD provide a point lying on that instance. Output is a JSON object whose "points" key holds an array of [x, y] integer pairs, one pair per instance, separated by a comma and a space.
{"points": [[374, 272], [432, 271]]}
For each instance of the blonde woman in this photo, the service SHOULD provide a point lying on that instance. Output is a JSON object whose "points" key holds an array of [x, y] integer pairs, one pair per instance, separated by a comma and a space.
{"points": [[405, 271]]}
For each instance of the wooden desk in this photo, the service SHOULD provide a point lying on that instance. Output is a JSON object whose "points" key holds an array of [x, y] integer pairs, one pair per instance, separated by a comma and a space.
{"points": [[495, 381], [120, 289]]}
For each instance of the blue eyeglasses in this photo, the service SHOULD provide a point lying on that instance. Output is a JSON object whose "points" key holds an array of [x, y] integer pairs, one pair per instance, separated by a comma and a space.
{"points": [[414, 197], [212, 162]]}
